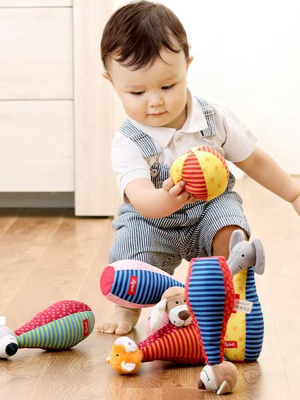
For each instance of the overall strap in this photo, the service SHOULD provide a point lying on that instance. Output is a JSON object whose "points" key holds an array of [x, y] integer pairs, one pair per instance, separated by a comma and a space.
{"points": [[140, 138], [209, 116]]}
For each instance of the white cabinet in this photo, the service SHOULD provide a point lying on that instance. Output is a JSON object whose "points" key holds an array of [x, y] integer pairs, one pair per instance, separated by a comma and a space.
{"points": [[54, 132]]}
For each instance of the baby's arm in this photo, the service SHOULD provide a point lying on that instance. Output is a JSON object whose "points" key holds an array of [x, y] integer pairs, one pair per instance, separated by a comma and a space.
{"points": [[157, 203], [264, 170]]}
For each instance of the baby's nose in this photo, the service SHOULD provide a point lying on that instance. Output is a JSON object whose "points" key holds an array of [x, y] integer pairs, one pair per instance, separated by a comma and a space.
{"points": [[156, 101], [184, 315]]}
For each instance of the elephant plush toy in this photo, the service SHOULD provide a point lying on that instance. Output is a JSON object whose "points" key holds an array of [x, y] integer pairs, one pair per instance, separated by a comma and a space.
{"points": [[244, 254]]}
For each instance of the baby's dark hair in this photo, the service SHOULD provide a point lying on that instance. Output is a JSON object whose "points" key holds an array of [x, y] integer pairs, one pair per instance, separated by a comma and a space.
{"points": [[136, 33]]}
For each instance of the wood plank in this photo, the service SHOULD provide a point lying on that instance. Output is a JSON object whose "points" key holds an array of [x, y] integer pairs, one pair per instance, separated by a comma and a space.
{"points": [[7, 219], [19, 379], [94, 114], [59, 269], [21, 247], [36, 53], [37, 146]]}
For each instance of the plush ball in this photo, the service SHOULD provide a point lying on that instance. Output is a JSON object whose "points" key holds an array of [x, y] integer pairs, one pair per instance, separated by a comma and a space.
{"points": [[204, 172]]}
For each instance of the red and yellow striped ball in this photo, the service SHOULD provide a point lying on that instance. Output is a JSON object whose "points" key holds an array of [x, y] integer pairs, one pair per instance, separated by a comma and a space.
{"points": [[204, 171]]}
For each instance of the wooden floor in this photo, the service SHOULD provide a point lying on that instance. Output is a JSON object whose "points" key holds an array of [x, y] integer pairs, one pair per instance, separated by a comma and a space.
{"points": [[49, 255]]}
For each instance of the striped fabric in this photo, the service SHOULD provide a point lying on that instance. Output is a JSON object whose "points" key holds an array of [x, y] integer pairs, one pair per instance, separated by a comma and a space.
{"points": [[62, 333], [149, 287], [254, 321], [193, 175], [173, 344], [209, 115], [210, 299], [214, 152], [141, 139]]}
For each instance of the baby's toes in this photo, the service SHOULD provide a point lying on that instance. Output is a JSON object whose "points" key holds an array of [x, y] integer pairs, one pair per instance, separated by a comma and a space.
{"points": [[110, 327], [107, 327], [123, 329]]}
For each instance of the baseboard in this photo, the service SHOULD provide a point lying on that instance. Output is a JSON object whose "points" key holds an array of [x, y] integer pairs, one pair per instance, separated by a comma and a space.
{"points": [[37, 200]]}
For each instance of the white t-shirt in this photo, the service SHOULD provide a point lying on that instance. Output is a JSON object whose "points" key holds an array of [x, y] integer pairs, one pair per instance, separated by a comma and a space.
{"points": [[234, 140]]}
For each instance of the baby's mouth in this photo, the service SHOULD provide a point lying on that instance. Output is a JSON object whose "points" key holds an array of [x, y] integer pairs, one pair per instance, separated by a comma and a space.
{"points": [[157, 114]]}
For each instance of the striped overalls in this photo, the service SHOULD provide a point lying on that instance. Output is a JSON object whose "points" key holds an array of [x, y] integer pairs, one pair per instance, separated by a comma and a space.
{"points": [[185, 234]]}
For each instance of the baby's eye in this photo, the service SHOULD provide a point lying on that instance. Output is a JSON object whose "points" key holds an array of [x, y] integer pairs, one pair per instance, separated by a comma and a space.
{"points": [[137, 93], [167, 87]]}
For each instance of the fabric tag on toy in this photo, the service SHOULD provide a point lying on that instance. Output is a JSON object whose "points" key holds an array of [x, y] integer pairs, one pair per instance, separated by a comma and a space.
{"points": [[243, 306], [85, 328], [132, 285]]}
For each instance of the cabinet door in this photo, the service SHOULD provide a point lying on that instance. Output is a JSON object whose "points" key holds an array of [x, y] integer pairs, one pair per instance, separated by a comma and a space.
{"points": [[37, 146], [36, 53], [36, 98]]}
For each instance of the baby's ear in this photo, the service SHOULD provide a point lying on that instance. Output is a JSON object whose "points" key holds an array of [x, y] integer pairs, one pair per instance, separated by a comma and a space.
{"points": [[188, 61], [107, 76]]}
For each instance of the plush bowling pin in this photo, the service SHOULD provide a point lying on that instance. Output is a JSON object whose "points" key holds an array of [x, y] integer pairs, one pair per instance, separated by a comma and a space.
{"points": [[59, 327]]}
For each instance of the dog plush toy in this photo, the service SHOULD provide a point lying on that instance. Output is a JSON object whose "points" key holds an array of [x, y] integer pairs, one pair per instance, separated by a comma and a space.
{"points": [[59, 327], [172, 307]]}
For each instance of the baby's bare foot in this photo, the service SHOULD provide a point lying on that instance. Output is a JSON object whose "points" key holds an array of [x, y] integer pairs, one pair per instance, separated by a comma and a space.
{"points": [[121, 321]]}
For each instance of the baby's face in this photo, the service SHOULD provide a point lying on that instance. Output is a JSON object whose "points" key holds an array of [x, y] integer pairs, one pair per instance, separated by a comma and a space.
{"points": [[155, 95]]}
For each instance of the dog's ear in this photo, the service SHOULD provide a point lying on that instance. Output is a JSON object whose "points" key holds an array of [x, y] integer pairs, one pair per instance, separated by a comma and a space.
{"points": [[157, 314]]}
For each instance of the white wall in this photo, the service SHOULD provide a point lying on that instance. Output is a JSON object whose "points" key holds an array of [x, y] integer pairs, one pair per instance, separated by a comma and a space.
{"points": [[247, 55]]}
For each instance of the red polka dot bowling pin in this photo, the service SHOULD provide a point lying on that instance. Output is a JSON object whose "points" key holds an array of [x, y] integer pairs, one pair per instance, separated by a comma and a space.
{"points": [[59, 327]]}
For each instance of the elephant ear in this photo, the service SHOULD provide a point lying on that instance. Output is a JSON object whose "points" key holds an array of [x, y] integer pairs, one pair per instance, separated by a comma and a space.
{"points": [[235, 238], [260, 262]]}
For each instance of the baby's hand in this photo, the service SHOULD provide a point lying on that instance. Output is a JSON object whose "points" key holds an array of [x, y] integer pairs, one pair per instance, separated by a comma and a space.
{"points": [[177, 191]]}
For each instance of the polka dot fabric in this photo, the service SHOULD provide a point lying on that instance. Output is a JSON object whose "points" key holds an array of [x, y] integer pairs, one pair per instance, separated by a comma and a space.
{"points": [[53, 313]]}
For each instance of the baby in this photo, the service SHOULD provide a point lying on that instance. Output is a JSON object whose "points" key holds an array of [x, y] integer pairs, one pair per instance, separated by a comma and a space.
{"points": [[145, 54]]}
